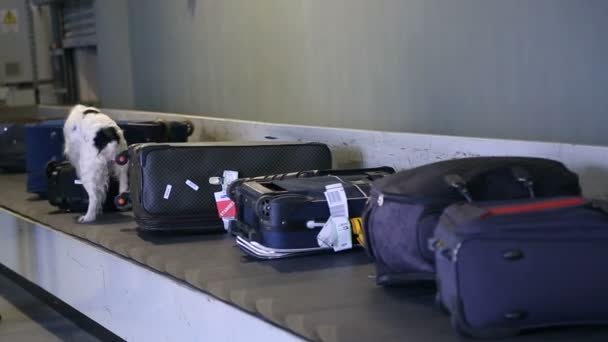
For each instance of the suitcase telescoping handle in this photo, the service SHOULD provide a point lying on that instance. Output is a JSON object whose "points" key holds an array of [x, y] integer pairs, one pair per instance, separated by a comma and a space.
{"points": [[519, 173], [371, 173]]}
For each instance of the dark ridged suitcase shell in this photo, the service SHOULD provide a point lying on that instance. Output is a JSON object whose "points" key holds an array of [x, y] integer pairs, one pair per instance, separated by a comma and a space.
{"points": [[170, 187]]}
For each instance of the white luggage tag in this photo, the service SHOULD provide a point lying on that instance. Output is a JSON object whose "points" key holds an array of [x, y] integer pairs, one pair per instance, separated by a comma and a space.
{"points": [[192, 185], [225, 206], [336, 233]]}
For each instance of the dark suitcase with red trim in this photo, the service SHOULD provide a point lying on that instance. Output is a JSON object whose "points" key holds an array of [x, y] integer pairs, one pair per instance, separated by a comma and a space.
{"points": [[505, 267], [404, 208]]}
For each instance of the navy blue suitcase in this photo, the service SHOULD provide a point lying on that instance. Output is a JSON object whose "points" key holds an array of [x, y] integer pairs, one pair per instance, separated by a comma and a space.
{"points": [[505, 267], [44, 143], [12, 147], [287, 211]]}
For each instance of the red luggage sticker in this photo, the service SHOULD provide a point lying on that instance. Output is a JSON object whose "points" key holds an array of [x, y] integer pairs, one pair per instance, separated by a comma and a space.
{"points": [[225, 207]]}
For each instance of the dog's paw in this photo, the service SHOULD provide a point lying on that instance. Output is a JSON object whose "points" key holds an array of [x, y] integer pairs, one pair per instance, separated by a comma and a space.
{"points": [[85, 219]]}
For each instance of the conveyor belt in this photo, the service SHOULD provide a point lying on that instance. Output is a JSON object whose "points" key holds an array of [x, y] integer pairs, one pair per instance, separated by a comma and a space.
{"points": [[329, 297]]}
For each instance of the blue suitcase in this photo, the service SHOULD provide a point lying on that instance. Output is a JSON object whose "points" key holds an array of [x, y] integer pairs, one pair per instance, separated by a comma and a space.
{"points": [[44, 143], [283, 214], [505, 267], [12, 147]]}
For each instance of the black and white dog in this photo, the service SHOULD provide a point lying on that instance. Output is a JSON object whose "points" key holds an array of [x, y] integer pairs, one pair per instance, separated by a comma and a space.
{"points": [[92, 142]]}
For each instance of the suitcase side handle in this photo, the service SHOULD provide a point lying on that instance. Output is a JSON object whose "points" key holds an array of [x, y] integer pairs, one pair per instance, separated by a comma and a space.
{"points": [[50, 167], [519, 173], [167, 128], [457, 182], [371, 173]]}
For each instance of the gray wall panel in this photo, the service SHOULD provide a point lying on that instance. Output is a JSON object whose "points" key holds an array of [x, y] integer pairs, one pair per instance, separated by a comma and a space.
{"points": [[523, 69], [113, 54]]}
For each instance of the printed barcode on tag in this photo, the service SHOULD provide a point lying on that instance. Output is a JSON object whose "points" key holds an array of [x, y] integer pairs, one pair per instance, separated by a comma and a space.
{"points": [[333, 197], [338, 210], [336, 200]]}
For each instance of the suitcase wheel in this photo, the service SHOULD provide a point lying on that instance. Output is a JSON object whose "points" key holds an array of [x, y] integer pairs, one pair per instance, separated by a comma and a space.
{"points": [[122, 158], [263, 208], [123, 202]]}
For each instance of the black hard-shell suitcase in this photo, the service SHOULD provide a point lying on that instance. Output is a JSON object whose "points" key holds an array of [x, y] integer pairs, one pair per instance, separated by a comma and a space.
{"points": [[170, 183], [156, 131], [404, 208], [505, 267], [66, 192], [287, 211]]}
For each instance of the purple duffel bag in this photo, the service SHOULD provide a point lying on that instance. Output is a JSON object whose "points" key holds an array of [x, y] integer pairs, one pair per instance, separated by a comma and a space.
{"points": [[506, 267], [403, 209]]}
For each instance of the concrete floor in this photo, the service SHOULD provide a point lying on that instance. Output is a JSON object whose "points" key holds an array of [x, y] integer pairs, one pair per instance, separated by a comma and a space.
{"points": [[25, 318]]}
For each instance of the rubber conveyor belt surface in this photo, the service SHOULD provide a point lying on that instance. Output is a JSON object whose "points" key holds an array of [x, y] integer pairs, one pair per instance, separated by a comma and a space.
{"points": [[328, 297]]}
